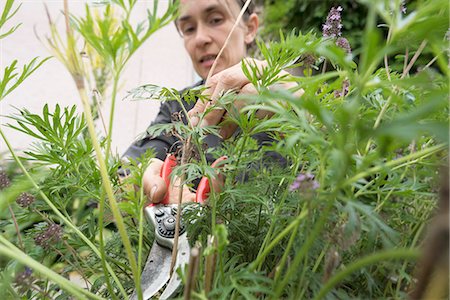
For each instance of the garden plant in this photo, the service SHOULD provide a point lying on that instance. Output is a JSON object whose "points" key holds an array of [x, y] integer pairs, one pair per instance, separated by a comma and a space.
{"points": [[344, 217]]}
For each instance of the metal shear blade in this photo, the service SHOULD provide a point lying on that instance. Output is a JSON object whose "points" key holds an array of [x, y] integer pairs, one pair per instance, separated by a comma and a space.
{"points": [[182, 260], [156, 271]]}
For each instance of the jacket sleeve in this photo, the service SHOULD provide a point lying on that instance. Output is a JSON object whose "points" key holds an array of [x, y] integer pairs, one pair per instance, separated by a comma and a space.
{"points": [[161, 143]]}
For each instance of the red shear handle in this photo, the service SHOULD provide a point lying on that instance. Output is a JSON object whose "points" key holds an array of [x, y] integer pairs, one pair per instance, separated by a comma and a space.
{"points": [[169, 163], [204, 187]]}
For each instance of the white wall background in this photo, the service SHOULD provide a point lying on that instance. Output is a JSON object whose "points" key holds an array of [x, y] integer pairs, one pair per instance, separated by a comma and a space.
{"points": [[162, 61]]}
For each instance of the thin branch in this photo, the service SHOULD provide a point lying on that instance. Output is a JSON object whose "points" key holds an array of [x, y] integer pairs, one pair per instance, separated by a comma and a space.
{"points": [[192, 272], [184, 159], [238, 19], [414, 58], [405, 61], [430, 63], [210, 265], [19, 237], [95, 95]]}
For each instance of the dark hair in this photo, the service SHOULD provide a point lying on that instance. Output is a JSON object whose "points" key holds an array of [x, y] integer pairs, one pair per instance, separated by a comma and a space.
{"points": [[250, 8]]}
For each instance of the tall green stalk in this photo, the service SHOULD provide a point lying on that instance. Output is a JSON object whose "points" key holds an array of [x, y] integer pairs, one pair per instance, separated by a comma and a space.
{"points": [[107, 185], [101, 242], [111, 116], [312, 236], [291, 227], [275, 214], [141, 235]]}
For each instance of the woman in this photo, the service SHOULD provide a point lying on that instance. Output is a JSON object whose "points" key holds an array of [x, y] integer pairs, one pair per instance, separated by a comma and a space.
{"points": [[204, 26]]}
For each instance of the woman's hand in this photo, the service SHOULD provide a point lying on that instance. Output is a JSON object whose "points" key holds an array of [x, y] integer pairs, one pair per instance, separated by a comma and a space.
{"points": [[155, 187], [231, 79]]}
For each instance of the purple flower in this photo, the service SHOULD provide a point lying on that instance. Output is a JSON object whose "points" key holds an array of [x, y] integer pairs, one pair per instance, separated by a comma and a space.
{"points": [[51, 235], [304, 181], [25, 199], [403, 7], [332, 27], [344, 90], [4, 180], [343, 43], [24, 280]]}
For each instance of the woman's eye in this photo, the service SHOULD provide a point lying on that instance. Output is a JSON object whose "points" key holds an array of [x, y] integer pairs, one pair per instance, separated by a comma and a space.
{"points": [[188, 30], [216, 21]]}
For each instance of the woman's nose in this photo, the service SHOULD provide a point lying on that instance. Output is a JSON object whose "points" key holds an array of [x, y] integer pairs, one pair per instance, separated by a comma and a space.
{"points": [[202, 35]]}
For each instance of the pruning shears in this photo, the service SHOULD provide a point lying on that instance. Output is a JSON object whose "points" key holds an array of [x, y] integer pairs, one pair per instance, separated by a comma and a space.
{"points": [[162, 216]]}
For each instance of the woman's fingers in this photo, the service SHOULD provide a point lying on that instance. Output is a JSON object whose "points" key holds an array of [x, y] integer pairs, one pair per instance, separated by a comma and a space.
{"points": [[154, 186], [174, 193], [231, 79]]}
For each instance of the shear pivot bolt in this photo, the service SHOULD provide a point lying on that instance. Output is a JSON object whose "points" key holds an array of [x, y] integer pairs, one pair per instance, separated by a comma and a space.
{"points": [[169, 223]]}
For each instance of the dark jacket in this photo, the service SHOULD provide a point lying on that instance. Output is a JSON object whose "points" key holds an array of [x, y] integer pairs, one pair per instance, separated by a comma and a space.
{"points": [[161, 144]]}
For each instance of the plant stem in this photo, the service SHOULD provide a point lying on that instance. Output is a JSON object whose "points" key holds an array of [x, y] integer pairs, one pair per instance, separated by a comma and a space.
{"points": [[141, 233], [77, 268], [192, 272], [414, 58], [79, 82], [282, 263], [405, 61], [277, 210], [75, 67], [324, 67], [15, 253], [180, 200], [16, 226], [386, 64], [238, 19], [306, 246], [101, 213], [111, 117], [416, 155], [418, 228], [366, 261], [210, 264], [260, 258], [405, 72], [58, 213], [430, 62], [241, 150], [107, 185]]}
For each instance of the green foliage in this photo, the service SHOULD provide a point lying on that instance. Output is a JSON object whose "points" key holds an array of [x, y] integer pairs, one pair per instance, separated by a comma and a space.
{"points": [[116, 40], [11, 79], [310, 15], [341, 217], [7, 14]]}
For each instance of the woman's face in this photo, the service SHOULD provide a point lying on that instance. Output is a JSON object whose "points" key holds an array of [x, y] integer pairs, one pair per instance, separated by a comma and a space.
{"points": [[205, 25]]}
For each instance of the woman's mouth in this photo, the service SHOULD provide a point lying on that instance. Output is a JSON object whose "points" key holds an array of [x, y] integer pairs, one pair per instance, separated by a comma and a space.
{"points": [[207, 61]]}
